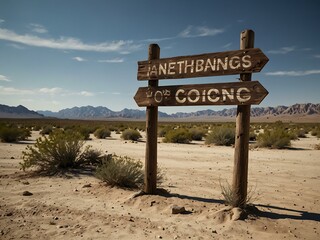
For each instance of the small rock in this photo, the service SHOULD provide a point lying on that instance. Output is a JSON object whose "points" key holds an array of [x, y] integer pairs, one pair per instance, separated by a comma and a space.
{"points": [[177, 209], [27, 193], [12, 158], [9, 214], [152, 203], [25, 183], [86, 185]]}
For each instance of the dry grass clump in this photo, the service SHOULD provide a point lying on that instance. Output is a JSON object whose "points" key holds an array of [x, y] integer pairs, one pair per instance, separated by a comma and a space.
{"points": [[229, 197], [102, 133], [131, 134], [180, 135], [61, 150], [221, 136], [121, 171], [276, 139]]}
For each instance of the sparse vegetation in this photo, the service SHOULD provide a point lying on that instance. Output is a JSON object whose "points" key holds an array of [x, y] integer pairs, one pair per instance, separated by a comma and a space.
{"points": [[102, 133], [61, 150], [277, 139], [197, 134], [11, 133], [229, 197], [179, 135], [130, 134], [121, 171], [221, 136]]}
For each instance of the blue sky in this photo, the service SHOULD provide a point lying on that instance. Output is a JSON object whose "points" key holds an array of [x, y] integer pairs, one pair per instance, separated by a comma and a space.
{"points": [[60, 54]]}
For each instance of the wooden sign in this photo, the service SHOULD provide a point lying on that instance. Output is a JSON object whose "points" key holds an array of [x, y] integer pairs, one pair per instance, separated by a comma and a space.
{"points": [[203, 65], [233, 93]]}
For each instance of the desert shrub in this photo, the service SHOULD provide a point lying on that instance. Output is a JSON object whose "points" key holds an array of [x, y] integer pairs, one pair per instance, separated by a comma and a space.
{"points": [[179, 135], [10, 134], [315, 132], [163, 131], [301, 133], [278, 138], [252, 136], [102, 133], [221, 136], [130, 134], [121, 171], [60, 150], [197, 134], [46, 130], [229, 196]]}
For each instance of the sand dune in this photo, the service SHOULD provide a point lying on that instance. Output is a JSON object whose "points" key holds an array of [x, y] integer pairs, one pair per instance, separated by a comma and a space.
{"points": [[286, 185]]}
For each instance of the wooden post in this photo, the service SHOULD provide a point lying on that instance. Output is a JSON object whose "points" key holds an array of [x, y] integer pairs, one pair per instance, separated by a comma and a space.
{"points": [[241, 152], [150, 180]]}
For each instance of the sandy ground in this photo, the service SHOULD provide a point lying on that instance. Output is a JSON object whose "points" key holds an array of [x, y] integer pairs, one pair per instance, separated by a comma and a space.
{"points": [[286, 186]]}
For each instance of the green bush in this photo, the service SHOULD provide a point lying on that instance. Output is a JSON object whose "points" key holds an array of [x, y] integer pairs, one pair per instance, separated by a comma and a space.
{"points": [[46, 130], [197, 134], [60, 150], [221, 136], [277, 138], [131, 134], [11, 134], [102, 133], [121, 171], [179, 135]]}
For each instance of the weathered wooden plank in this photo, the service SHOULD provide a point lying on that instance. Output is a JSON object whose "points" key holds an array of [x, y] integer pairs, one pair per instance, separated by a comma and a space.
{"points": [[232, 93], [241, 150], [203, 65], [151, 158]]}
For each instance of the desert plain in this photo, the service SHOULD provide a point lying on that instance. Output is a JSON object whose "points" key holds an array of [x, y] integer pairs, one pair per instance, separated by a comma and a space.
{"points": [[285, 188]]}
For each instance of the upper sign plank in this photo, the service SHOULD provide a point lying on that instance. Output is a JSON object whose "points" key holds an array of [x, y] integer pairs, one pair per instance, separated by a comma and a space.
{"points": [[203, 65]]}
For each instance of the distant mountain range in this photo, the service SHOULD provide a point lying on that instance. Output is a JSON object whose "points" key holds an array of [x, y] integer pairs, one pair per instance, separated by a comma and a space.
{"points": [[88, 112]]}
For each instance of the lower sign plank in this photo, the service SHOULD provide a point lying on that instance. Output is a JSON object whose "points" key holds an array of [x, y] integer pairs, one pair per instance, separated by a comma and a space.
{"points": [[233, 93]]}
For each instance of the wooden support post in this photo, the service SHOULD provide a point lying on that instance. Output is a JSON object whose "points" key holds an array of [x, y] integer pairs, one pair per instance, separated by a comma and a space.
{"points": [[150, 180], [241, 152]]}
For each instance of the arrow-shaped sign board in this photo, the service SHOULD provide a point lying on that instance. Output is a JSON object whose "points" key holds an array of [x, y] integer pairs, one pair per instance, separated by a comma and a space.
{"points": [[233, 93], [203, 65]]}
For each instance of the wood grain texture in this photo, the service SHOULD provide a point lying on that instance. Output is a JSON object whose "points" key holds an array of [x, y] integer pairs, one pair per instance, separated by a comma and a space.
{"points": [[203, 65], [232, 93]]}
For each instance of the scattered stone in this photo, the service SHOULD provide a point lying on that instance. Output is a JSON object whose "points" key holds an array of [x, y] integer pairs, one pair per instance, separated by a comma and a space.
{"points": [[177, 209], [152, 203], [87, 185], [9, 214], [12, 158], [27, 193], [25, 183]]}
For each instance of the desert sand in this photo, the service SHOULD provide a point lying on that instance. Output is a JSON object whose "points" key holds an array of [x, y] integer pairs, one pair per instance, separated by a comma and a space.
{"points": [[285, 186]]}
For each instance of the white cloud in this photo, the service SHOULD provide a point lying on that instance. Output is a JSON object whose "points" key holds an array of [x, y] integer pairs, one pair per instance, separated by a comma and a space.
{"points": [[4, 78], [86, 94], [14, 91], [115, 93], [317, 56], [114, 60], [293, 73], [199, 31], [51, 91], [2, 20], [79, 59], [38, 28], [68, 43], [283, 50]]}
